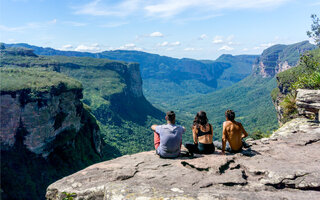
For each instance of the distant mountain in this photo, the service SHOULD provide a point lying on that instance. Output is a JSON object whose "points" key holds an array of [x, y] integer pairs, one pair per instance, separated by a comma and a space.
{"points": [[241, 67], [280, 57], [249, 98], [165, 77], [112, 90]]}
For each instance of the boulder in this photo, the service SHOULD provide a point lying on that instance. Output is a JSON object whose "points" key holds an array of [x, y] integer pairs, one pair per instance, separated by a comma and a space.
{"points": [[284, 166], [308, 101]]}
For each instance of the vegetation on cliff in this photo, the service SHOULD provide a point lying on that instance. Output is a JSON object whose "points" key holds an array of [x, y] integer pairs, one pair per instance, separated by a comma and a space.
{"points": [[172, 77], [35, 79], [26, 174], [306, 75], [124, 119]]}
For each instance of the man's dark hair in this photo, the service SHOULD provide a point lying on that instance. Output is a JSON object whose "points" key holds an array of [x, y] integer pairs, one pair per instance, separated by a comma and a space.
{"points": [[230, 115], [171, 116]]}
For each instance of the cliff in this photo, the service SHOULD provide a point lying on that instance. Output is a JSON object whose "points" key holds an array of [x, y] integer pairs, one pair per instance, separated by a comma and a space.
{"points": [[304, 76], [286, 165], [279, 58], [171, 78], [45, 131], [53, 125], [111, 89]]}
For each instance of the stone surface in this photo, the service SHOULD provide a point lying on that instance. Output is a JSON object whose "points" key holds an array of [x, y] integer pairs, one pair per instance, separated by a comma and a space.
{"points": [[308, 101], [43, 118], [284, 166], [271, 72]]}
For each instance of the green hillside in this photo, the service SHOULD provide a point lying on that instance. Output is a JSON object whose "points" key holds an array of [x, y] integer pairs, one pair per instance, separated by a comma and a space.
{"points": [[308, 67], [280, 53], [241, 67], [165, 77], [124, 119], [250, 99]]}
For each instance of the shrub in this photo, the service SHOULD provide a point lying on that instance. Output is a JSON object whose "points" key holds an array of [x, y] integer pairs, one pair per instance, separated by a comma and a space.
{"points": [[289, 104]]}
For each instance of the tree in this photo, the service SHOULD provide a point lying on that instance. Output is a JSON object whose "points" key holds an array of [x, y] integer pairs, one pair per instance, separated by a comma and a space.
{"points": [[315, 29]]}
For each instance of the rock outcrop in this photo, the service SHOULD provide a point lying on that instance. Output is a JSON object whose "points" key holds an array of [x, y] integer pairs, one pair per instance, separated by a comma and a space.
{"points": [[45, 131], [279, 58], [284, 166], [308, 102], [43, 117]]}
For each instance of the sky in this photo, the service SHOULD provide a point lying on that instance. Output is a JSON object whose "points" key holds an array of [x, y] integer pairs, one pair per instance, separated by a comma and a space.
{"points": [[199, 29]]}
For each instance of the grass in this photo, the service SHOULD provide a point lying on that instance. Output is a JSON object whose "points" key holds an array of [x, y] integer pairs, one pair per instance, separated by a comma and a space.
{"points": [[34, 79]]}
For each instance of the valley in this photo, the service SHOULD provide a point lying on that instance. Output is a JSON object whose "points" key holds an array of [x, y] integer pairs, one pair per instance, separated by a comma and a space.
{"points": [[112, 117]]}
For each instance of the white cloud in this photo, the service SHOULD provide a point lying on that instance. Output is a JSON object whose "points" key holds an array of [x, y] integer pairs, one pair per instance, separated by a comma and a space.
{"points": [[230, 37], [156, 34], [99, 8], [217, 40], [192, 49], [263, 46], [172, 44], [177, 43], [54, 21], [130, 46], [27, 26], [66, 47], [170, 8], [203, 36], [163, 44], [245, 49], [225, 48], [88, 48]]}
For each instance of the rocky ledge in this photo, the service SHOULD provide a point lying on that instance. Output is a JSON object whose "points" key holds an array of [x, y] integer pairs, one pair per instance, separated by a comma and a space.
{"points": [[284, 166]]}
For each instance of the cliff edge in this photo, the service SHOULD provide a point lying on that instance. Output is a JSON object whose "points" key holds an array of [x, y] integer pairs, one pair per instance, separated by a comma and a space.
{"points": [[286, 165], [45, 131]]}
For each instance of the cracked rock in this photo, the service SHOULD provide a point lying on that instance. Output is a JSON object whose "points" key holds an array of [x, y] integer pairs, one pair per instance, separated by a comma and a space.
{"points": [[287, 166]]}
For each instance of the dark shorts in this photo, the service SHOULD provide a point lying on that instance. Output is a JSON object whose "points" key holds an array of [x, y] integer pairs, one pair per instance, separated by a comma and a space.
{"points": [[218, 144], [200, 148]]}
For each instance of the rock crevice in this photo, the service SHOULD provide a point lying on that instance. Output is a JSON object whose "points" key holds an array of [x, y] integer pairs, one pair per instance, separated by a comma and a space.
{"points": [[282, 167]]}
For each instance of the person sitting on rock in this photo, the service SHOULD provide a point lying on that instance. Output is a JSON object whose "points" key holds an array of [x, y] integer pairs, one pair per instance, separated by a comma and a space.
{"points": [[202, 135], [168, 137], [233, 133]]}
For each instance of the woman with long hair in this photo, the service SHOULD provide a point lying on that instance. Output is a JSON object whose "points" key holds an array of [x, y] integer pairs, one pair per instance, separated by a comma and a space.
{"points": [[202, 135]]}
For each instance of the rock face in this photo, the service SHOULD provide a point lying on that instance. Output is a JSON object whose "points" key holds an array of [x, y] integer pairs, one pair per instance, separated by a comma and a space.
{"points": [[308, 102], [279, 58], [45, 135], [284, 166], [135, 81], [43, 117]]}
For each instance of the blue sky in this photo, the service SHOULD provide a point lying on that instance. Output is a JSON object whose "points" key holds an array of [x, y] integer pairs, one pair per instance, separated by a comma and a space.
{"points": [[200, 29]]}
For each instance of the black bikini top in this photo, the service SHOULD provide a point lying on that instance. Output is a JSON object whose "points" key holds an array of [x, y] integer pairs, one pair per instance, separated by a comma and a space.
{"points": [[200, 133]]}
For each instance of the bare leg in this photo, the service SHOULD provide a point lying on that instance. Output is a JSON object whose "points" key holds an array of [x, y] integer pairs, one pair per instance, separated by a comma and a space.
{"points": [[156, 139]]}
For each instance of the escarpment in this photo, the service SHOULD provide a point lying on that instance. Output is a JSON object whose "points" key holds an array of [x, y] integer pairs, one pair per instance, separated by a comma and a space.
{"points": [[297, 91], [46, 133], [279, 58], [53, 125]]}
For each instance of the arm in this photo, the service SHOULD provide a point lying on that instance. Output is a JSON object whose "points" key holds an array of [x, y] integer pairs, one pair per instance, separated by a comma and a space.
{"points": [[153, 127], [184, 129], [244, 132], [224, 138], [195, 135]]}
